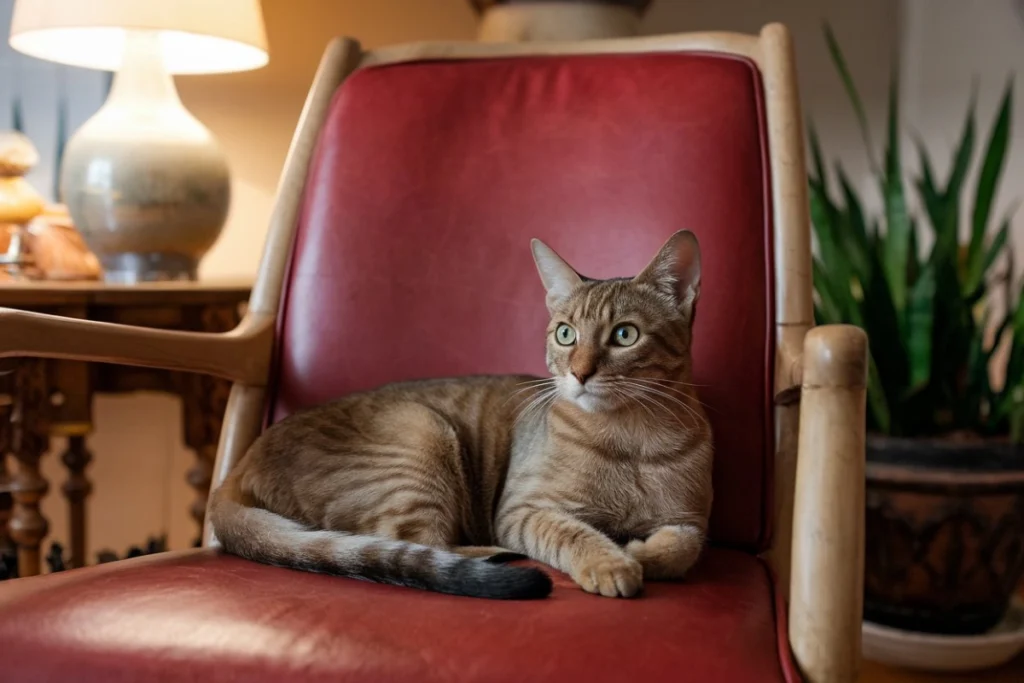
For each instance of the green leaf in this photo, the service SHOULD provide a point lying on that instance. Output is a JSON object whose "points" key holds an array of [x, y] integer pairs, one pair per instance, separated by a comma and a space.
{"points": [[964, 150], [885, 336], [830, 311], [897, 237], [1014, 375], [943, 220], [988, 180], [855, 244], [920, 318], [878, 405], [913, 262], [824, 220], [1018, 318], [818, 163], [851, 91], [978, 386], [993, 252]]}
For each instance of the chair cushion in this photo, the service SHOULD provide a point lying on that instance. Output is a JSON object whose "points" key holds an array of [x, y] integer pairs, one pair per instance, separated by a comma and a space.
{"points": [[203, 616], [412, 257]]}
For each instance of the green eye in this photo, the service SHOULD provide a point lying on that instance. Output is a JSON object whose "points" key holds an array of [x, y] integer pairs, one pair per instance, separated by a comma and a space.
{"points": [[565, 335], [625, 335]]}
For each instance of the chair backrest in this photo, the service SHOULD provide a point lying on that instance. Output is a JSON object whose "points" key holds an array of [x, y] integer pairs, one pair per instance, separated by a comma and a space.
{"points": [[436, 164]]}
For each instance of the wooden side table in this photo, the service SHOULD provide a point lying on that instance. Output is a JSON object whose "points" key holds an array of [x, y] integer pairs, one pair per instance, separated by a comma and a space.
{"points": [[41, 398]]}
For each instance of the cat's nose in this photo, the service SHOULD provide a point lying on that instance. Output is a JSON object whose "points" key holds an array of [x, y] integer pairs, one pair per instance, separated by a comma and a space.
{"points": [[583, 375]]}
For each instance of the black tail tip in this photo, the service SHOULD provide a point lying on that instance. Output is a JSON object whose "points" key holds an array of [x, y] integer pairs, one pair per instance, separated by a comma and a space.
{"points": [[480, 579], [526, 583]]}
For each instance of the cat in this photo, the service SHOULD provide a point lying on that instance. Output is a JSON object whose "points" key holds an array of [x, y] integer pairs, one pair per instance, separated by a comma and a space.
{"points": [[602, 471]]}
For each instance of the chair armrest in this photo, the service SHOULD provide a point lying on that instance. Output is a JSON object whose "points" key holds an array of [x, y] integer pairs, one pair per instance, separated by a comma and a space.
{"points": [[827, 571], [241, 355]]}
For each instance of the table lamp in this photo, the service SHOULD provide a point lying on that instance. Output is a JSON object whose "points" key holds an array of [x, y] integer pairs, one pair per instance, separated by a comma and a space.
{"points": [[145, 183]]}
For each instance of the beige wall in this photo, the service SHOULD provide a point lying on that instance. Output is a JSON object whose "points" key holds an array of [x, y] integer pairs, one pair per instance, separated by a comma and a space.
{"points": [[140, 461]]}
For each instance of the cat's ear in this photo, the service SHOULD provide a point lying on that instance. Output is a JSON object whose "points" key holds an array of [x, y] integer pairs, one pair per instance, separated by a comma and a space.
{"points": [[558, 276], [676, 270]]}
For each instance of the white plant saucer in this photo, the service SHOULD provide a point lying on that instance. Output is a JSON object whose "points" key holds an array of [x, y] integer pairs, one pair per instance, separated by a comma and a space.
{"points": [[935, 652]]}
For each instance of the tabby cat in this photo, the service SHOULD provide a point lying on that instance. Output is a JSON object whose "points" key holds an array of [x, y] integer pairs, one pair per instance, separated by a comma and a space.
{"points": [[602, 471]]}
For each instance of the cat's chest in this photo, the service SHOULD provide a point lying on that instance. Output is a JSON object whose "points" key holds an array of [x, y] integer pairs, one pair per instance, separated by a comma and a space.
{"points": [[626, 501]]}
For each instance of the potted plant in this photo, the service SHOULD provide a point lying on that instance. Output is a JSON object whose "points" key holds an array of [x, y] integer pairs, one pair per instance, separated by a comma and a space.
{"points": [[945, 319]]}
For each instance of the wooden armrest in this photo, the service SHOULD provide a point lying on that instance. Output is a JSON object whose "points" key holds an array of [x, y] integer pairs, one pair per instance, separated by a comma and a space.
{"points": [[827, 572], [241, 355]]}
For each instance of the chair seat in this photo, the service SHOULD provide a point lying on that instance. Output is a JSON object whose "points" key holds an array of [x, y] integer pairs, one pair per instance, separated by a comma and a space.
{"points": [[204, 616]]}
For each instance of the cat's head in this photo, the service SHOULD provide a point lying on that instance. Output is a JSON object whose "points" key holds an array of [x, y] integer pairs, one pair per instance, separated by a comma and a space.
{"points": [[614, 342]]}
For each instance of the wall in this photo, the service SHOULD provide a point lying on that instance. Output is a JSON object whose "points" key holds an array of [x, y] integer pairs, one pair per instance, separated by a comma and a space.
{"points": [[140, 463]]}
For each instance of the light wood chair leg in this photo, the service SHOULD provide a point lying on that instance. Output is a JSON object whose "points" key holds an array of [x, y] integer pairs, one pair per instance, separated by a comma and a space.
{"points": [[826, 587]]}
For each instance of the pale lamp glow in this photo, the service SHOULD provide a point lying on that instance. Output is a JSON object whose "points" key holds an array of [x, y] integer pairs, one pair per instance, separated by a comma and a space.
{"points": [[196, 36]]}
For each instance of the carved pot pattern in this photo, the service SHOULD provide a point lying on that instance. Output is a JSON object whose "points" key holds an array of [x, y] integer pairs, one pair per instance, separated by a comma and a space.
{"points": [[944, 534]]}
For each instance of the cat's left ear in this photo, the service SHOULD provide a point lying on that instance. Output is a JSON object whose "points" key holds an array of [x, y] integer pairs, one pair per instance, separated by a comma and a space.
{"points": [[558, 276], [676, 270]]}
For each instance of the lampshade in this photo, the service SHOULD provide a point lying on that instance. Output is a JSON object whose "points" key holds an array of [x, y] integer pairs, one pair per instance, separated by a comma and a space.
{"points": [[196, 36]]}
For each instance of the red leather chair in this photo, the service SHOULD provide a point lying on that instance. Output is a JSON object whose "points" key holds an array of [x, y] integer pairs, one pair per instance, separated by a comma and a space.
{"points": [[399, 248]]}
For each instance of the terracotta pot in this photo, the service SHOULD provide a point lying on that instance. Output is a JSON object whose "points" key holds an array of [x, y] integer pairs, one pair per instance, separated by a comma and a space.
{"points": [[944, 545]]}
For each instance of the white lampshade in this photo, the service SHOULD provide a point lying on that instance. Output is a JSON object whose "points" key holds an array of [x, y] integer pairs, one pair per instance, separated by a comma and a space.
{"points": [[196, 36]]}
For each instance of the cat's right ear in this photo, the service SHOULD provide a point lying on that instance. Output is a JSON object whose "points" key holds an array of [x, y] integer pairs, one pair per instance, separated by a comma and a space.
{"points": [[558, 276]]}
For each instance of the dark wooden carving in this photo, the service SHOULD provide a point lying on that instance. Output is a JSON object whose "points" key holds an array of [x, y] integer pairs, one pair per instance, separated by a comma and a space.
{"points": [[27, 525], [39, 399], [6, 502], [77, 489]]}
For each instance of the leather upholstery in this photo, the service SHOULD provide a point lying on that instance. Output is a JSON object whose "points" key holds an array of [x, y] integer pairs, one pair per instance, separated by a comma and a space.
{"points": [[413, 258], [200, 616]]}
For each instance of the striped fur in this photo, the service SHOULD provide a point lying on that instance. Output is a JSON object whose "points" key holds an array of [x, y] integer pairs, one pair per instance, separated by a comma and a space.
{"points": [[602, 470]]}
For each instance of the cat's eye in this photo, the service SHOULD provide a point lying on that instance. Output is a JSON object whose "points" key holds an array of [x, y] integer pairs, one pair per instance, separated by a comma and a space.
{"points": [[625, 335], [565, 335]]}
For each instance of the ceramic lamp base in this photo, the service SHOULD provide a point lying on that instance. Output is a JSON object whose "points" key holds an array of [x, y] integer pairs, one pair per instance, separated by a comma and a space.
{"points": [[130, 268], [146, 184]]}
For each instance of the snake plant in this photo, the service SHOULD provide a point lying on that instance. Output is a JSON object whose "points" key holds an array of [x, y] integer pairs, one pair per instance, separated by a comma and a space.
{"points": [[937, 299]]}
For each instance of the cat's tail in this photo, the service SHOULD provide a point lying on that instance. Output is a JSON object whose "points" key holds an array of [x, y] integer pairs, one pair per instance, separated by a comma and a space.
{"points": [[263, 536]]}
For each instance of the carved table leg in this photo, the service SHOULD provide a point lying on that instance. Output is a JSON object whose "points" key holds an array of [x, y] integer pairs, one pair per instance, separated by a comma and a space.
{"points": [[31, 438], [71, 417], [6, 543], [77, 488], [205, 399]]}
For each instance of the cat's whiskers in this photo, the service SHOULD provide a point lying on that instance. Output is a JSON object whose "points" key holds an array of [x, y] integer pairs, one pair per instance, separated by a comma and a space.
{"points": [[665, 415], [650, 390], [691, 395], [536, 381], [534, 384], [630, 394], [659, 380], [537, 402], [621, 387]]}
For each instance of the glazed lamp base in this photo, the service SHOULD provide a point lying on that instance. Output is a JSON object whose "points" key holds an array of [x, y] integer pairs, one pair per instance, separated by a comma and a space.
{"points": [[145, 182]]}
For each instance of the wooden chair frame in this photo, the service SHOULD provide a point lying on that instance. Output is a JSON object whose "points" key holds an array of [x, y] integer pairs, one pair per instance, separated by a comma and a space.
{"points": [[817, 552]]}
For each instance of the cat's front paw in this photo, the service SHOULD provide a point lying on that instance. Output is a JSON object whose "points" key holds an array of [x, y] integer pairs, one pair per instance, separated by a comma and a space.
{"points": [[669, 553], [612, 576]]}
